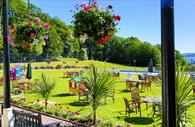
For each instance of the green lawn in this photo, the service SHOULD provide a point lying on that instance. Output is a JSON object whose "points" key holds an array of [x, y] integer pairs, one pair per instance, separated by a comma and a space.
{"points": [[110, 111]]}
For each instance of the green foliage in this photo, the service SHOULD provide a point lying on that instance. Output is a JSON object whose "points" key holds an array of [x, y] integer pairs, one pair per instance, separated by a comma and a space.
{"points": [[99, 84], [184, 100], [44, 87], [54, 45], [179, 59], [127, 50], [38, 49], [82, 55]]}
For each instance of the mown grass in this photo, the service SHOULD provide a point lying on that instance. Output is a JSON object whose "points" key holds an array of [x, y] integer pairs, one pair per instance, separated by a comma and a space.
{"points": [[109, 111]]}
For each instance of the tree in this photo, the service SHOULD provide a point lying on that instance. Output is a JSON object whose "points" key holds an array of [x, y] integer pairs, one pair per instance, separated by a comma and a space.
{"points": [[99, 85], [179, 59], [183, 96], [44, 88], [54, 45], [82, 55]]}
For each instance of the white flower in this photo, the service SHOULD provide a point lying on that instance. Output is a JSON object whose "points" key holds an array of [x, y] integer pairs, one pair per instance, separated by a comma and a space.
{"points": [[36, 42], [43, 43], [83, 38]]}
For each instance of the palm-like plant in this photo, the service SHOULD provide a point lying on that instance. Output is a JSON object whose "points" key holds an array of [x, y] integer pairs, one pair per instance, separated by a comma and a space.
{"points": [[44, 87], [99, 84], [183, 93]]}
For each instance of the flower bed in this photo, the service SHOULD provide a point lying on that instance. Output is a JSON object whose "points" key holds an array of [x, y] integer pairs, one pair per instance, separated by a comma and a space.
{"points": [[55, 111]]}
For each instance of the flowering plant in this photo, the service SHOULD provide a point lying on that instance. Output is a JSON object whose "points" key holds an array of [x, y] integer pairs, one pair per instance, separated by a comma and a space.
{"points": [[32, 32], [95, 22]]}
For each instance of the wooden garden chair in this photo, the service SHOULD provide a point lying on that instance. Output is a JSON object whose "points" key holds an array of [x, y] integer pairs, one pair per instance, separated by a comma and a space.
{"points": [[83, 91], [136, 98], [146, 85], [111, 95], [129, 106], [130, 85], [24, 119]]}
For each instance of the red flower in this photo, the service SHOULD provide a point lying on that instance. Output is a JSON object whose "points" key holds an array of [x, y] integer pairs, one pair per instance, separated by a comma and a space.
{"points": [[27, 46], [107, 36], [110, 6], [46, 103], [101, 40], [94, 4], [11, 31], [86, 8], [32, 34], [23, 40], [117, 18]]}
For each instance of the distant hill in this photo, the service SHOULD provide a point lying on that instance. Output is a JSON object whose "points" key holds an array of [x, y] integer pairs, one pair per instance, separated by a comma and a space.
{"points": [[190, 57]]}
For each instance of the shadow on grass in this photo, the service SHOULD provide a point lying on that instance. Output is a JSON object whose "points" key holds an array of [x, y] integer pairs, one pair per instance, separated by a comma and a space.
{"points": [[139, 121], [62, 95], [79, 103], [125, 91]]}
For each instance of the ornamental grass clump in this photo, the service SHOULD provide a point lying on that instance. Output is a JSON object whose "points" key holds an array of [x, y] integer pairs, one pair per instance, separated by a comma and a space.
{"points": [[184, 98], [44, 88], [99, 84]]}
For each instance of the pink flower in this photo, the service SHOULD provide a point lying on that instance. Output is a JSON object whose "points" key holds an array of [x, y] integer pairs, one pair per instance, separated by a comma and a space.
{"points": [[101, 40], [46, 37], [13, 44], [9, 39], [47, 26], [38, 20], [110, 6], [77, 113]]}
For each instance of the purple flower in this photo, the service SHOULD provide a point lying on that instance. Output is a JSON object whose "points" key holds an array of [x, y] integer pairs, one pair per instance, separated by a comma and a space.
{"points": [[46, 37]]}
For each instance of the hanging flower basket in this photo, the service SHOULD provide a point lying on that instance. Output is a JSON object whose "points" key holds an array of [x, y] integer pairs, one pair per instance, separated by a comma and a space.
{"points": [[31, 33], [95, 22]]}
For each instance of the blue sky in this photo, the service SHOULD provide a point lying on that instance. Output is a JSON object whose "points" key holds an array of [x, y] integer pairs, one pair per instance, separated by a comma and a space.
{"points": [[140, 18]]}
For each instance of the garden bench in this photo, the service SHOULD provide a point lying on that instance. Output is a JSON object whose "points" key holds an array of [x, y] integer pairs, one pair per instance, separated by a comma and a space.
{"points": [[24, 119]]}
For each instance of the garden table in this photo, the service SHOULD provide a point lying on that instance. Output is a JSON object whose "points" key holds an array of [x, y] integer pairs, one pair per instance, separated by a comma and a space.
{"points": [[156, 103]]}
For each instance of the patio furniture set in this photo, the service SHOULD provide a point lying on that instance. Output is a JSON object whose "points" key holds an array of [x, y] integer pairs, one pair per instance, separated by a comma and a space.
{"points": [[135, 103]]}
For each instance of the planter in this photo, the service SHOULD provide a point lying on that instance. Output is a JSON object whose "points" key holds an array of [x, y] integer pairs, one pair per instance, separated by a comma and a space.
{"points": [[52, 116]]}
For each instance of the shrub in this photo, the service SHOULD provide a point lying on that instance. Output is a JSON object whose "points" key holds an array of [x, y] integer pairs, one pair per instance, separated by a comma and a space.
{"points": [[82, 55]]}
